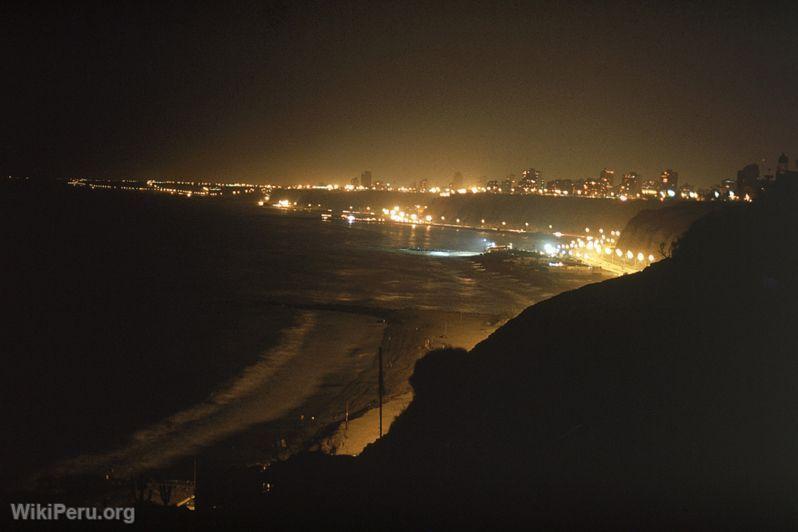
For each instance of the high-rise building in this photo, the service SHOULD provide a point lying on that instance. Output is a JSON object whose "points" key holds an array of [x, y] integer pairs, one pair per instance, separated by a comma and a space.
{"points": [[631, 184], [423, 185], [650, 188], [530, 181], [355, 182], [593, 186], [530, 173], [508, 185], [668, 180], [607, 177], [365, 179]]}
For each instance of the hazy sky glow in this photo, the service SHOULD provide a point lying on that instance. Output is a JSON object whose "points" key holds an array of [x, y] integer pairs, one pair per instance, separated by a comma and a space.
{"points": [[317, 92]]}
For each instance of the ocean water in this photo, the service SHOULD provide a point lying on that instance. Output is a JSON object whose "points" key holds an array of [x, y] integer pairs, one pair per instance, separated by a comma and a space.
{"points": [[147, 328]]}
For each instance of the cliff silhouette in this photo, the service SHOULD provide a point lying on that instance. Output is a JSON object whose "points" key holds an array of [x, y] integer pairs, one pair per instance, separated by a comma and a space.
{"points": [[655, 231], [662, 399]]}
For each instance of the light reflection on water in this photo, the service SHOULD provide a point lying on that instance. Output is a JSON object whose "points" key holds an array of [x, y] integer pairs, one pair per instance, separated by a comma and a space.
{"points": [[426, 237], [390, 265]]}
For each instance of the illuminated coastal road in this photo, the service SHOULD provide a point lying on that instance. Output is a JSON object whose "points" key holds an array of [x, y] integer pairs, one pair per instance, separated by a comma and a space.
{"points": [[610, 266]]}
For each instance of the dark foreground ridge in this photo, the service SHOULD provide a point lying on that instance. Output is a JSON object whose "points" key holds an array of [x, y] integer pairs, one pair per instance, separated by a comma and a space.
{"points": [[665, 398]]}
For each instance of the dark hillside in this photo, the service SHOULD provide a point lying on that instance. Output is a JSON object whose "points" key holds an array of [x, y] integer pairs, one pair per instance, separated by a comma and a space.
{"points": [[654, 231]]}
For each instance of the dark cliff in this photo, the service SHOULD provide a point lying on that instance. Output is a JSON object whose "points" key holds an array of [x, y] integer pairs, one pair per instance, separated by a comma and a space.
{"points": [[654, 231]]}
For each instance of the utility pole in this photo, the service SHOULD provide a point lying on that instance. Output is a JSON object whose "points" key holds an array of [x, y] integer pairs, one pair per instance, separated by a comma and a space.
{"points": [[195, 482], [380, 385]]}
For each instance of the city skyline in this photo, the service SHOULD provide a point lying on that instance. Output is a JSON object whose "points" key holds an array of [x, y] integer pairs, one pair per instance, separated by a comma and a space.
{"points": [[457, 180], [766, 166], [289, 93]]}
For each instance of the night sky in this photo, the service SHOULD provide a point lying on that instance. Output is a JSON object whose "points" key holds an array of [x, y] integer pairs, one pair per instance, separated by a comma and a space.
{"points": [[317, 92]]}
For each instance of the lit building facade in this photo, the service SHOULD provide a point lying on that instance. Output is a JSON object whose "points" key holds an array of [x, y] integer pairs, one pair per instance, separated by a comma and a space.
{"points": [[365, 179], [630, 185]]}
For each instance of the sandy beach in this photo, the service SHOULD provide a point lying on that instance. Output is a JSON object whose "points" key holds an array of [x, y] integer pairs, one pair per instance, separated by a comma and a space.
{"points": [[279, 383], [298, 396], [349, 388]]}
